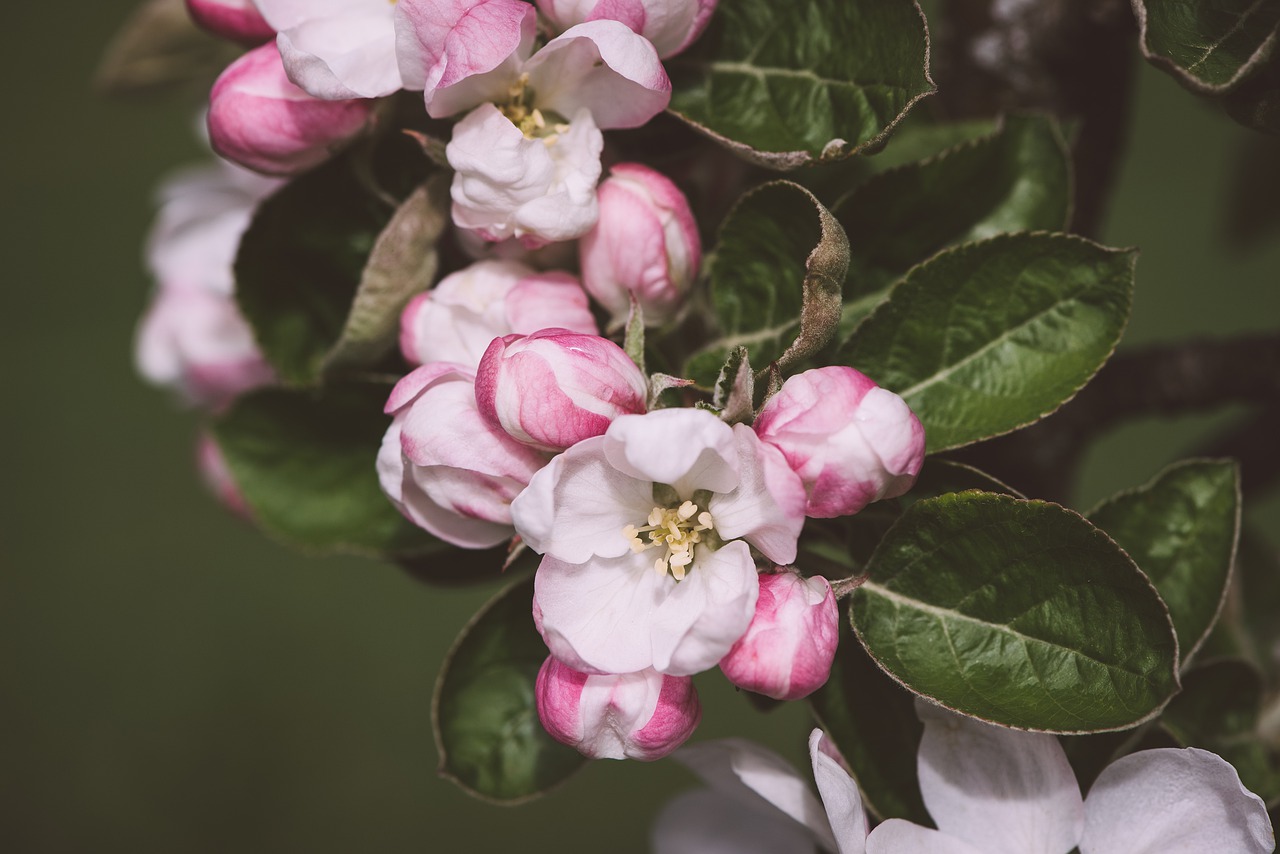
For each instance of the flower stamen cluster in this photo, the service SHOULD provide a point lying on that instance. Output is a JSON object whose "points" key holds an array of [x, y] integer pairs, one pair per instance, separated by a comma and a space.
{"points": [[677, 530]]}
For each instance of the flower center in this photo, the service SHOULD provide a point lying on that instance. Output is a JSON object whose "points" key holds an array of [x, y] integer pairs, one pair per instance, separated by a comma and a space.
{"points": [[673, 530], [533, 123]]}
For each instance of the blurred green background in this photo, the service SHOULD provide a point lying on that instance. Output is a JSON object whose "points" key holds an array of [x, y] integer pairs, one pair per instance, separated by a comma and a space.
{"points": [[172, 681]]}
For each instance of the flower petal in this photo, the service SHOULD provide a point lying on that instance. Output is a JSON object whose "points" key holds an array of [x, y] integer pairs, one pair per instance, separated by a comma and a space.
{"points": [[343, 56], [708, 822], [896, 836], [840, 796], [767, 508], [689, 449], [702, 618]]}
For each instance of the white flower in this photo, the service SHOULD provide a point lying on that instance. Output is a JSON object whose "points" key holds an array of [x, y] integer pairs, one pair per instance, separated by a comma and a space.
{"points": [[337, 49]]}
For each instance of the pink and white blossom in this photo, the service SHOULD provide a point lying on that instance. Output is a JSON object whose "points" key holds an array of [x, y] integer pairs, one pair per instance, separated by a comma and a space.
{"points": [[554, 388], [646, 534], [457, 319], [672, 25], [237, 20], [445, 468], [641, 716], [850, 441], [337, 49], [645, 244], [788, 649], [262, 121]]}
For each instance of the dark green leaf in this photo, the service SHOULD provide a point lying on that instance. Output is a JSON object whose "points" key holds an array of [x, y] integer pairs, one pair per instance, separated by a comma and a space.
{"points": [[873, 722], [1208, 46], [305, 463], [989, 337], [485, 715], [1256, 104], [775, 280], [1181, 529], [784, 84], [1017, 612]]}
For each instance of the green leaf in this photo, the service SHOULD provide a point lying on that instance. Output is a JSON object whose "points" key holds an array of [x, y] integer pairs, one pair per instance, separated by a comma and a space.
{"points": [[992, 336], [158, 48], [873, 723], [1218, 710], [1017, 612], [1182, 529], [1256, 104], [305, 463], [302, 261], [785, 84], [775, 279], [485, 715], [1018, 178], [735, 392], [1208, 45], [402, 263]]}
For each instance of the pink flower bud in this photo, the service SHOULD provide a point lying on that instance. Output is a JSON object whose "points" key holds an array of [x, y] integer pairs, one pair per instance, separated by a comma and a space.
{"points": [[554, 388], [644, 715], [237, 20], [850, 441], [456, 320], [645, 243], [789, 646], [259, 119], [670, 24], [444, 467]]}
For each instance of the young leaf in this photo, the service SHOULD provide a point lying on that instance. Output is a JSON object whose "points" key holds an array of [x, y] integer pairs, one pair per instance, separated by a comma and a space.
{"points": [[735, 392], [305, 463], [873, 722], [1208, 47], [484, 713], [776, 279], [303, 258], [992, 336], [785, 84], [1017, 612], [159, 47], [1182, 529]]}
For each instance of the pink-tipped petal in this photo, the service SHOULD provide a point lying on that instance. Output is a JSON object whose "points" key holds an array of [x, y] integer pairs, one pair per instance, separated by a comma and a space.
{"points": [[840, 796], [237, 20]]}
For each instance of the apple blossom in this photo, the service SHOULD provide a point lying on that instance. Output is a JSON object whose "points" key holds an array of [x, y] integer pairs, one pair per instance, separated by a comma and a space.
{"points": [[554, 388], [645, 244], [457, 319], [260, 120], [850, 441], [645, 533], [337, 49], [444, 467], [672, 25], [641, 716], [787, 650], [237, 20]]}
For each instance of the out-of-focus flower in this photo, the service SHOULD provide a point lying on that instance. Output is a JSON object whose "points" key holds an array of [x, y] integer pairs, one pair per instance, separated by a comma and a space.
{"points": [[261, 120], [217, 476], [457, 319], [787, 650], [645, 534], [850, 441], [337, 49], [554, 388], [237, 20], [444, 466], [641, 716], [672, 25], [645, 244]]}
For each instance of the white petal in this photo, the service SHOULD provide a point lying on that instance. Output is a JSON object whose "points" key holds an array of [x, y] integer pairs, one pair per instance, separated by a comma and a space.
{"points": [[1171, 801], [767, 507], [688, 449], [708, 822], [896, 836], [702, 618], [840, 797], [343, 56], [1003, 790]]}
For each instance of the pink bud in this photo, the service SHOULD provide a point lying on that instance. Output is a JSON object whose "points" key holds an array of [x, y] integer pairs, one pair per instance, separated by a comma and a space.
{"points": [[645, 243], [444, 467], [554, 388], [259, 119], [850, 441], [670, 24], [456, 320], [237, 20], [643, 716], [789, 646]]}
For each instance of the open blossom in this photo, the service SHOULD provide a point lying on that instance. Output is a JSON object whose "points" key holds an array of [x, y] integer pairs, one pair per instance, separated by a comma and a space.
{"points": [[457, 319], [645, 244], [238, 20], [671, 25], [788, 649], [445, 467], [262, 121], [641, 716], [645, 533], [850, 441], [337, 49]]}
